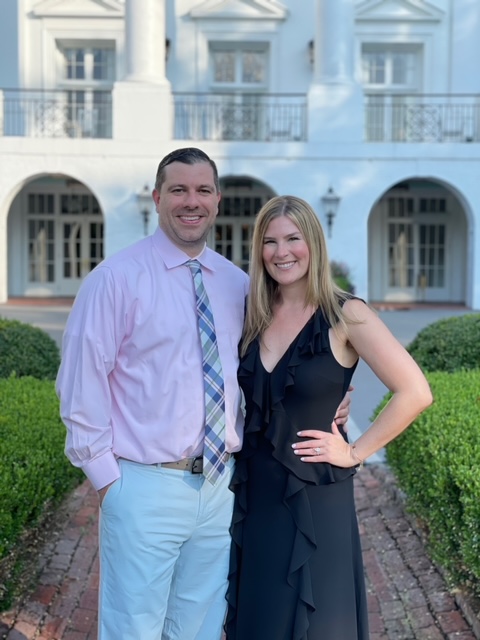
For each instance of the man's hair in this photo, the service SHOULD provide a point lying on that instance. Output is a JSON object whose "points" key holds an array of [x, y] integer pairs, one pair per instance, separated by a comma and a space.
{"points": [[187, 155]]}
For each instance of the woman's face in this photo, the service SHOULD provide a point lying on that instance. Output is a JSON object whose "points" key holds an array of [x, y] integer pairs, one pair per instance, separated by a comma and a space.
{"points": [[285, 253]]}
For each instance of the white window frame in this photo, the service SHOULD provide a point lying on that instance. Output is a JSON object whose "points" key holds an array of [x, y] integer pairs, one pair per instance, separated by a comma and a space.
{"points": [[389, 50], [239, 48], [87, 83], [86, 116]]}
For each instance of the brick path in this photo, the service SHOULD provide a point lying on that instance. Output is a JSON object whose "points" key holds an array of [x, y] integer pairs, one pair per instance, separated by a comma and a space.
{"points": [[408, 599]]}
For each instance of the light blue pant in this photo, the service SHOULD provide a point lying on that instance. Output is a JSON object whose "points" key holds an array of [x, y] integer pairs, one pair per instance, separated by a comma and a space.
{"points": [[164, 553]]}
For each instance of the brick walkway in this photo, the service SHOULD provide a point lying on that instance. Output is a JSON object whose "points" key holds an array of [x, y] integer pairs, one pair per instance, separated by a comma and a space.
{"points": [[408, 599]]}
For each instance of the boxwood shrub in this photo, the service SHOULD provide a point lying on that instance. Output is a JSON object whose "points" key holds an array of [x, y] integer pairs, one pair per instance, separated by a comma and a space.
{"points": [[437, 464], [34, 472], [448, 344], [342, 276], [27, 351]]}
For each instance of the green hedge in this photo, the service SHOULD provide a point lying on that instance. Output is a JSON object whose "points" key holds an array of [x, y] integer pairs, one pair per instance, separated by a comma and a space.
{"points": [[449, 344], [437, 463], [342, 276], [27, 351], [34, 472]]}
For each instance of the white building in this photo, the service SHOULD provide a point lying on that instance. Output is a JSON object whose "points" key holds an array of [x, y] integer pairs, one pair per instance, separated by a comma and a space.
{"points": [[376, 100]]}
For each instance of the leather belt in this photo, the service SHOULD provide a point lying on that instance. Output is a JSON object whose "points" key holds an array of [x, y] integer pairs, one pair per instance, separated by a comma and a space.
{"points": [[194, 465]]}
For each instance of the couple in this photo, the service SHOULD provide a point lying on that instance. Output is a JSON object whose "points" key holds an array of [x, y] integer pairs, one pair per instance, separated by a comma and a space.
{"points": [[133, 396]]}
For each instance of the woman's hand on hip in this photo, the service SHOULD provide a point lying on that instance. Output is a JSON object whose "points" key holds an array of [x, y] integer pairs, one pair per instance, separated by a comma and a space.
{"points": [[321, 446]]}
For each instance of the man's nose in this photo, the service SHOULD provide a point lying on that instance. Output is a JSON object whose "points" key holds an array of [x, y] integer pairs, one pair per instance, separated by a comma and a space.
{"points": [[191, 199]]}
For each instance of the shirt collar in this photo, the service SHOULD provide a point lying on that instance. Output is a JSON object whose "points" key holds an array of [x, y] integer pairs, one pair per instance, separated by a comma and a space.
{"points": [[173, 256]]}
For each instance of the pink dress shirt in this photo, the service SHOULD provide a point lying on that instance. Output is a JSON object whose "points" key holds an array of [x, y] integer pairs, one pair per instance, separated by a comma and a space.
{"points": [[131, 382]]}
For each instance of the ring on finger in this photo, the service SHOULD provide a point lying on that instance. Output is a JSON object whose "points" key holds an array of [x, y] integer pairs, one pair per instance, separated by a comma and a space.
{"points": [[317, 450]]}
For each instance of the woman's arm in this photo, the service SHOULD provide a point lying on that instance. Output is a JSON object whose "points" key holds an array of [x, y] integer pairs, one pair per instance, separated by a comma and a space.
{"points": [[393, 365]]}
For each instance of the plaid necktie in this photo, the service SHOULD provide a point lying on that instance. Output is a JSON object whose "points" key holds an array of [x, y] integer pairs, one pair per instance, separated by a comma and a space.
{"points": [[214, 446]]}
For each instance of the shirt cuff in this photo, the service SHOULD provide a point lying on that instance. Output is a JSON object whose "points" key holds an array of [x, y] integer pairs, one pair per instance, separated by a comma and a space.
{"points": [[102, 470]]}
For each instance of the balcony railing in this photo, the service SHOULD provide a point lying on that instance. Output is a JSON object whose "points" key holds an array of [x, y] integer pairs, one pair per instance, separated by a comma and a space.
{"points": [[242, 117], [56, 113], [254, 117], [422, 118]]}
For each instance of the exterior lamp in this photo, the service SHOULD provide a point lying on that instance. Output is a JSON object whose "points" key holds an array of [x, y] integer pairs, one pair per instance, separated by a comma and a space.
{"points": [[330, 202], [311, 51], [144, 199]]}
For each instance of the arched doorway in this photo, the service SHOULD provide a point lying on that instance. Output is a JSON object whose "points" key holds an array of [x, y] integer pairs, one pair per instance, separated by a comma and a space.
{"points": [[418, 245], [55, 237], [242, 199]]}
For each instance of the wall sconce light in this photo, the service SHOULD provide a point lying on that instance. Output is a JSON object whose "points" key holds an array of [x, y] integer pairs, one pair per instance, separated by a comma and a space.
{"points": [[144, 200], [311, 51], [330, 202]]}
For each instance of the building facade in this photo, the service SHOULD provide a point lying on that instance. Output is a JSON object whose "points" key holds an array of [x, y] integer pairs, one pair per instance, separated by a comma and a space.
{"points": [[369, 110]]}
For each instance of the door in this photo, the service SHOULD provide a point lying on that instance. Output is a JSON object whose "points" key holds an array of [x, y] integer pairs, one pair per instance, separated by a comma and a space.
{"points": [[242, 199], [65, 239], [232, 240], [417, 256], [82, 250], [416, 261]]}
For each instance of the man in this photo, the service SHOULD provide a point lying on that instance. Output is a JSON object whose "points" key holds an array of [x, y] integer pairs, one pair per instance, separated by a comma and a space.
{"points": [[133, 396]]}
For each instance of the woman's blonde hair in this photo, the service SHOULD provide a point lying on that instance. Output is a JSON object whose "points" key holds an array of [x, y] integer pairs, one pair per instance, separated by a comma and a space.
{"points": [[322, 292]]}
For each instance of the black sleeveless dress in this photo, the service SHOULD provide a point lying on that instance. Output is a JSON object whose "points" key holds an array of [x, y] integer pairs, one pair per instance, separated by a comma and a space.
{"points": [[296, 569]]}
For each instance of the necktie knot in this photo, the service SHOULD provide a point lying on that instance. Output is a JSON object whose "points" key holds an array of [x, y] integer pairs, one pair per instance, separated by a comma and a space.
{"points": [[194, 266]]}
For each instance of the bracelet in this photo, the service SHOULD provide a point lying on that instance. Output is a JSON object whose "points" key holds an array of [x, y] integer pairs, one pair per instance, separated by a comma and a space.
{"points": [[354, 453]]}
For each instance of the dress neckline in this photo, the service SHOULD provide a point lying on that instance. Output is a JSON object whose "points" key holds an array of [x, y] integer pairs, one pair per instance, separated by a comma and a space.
{"points": [[288, 349]]}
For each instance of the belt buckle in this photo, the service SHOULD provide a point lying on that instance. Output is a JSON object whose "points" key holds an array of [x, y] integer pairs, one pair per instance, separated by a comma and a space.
{"points": [[197, 465]]}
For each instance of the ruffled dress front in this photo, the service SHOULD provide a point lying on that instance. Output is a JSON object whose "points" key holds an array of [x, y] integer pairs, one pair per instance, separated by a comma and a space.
{"points": [[296, 569]]}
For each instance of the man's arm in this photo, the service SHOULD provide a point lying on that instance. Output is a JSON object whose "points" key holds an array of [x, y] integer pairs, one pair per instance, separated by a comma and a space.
{"points": [[343, 411], [88, 356]]}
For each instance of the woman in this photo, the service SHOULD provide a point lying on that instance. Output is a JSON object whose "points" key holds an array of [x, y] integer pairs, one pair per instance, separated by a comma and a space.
{"points": [[296, 567]]}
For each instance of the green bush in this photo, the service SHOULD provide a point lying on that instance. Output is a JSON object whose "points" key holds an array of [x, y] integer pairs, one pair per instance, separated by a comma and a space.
{"points": [[341, 276], [27, 351], [437, 463], [449, 344], [34, 472]]}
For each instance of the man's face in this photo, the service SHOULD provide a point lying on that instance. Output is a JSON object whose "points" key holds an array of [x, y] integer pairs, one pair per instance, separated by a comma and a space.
{"points": [[187, 204]]}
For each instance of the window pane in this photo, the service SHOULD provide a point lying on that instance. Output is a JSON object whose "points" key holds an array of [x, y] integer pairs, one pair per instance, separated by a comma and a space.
{"points": [[403, 67], [399, 64], [75, 64], [394, 66], [71, 250], [224, 66], [87, 63], [101, 64], [41, 251], [253, 67], [374, 68]]}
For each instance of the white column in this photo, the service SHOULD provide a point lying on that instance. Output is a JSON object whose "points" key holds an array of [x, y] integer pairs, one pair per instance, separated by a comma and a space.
{"points": [[145, 40], [335, 99], [142, 100], [334, 41]]}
